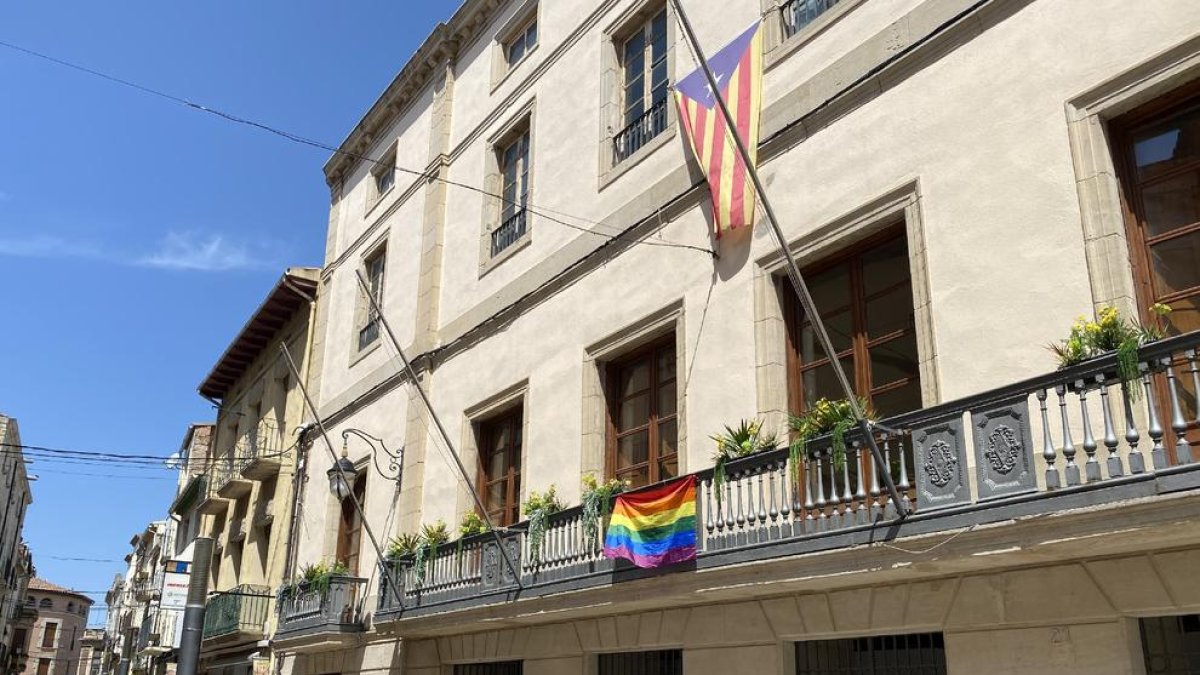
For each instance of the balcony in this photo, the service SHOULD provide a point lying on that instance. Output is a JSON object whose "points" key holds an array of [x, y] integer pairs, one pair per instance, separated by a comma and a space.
{"points": [[1074, 440], [337, 611], [238, 614], [641, 131], [231, 484], [209, 502], [799, 14], [261, 451], [148, 588], [237, 530]]}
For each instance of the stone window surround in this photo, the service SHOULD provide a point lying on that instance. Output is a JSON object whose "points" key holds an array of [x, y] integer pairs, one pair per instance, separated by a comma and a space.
{"points": [[776, 47], [386, 162], [529, 12], [377, 247], [1102, 212], [494, 405], [521, 122], [595, 395], [900, 205], [612, 91]]}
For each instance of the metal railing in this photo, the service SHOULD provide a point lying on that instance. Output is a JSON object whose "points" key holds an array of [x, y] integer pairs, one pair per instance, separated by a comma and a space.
{"points": [[334, 609], [509, 232], [640, 131], [1044, 444], [261, 441], [797, 14], [240, 610]]}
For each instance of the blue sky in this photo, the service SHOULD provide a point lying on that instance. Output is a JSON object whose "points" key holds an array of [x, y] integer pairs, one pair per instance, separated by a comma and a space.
{"points": [[136, 235]]}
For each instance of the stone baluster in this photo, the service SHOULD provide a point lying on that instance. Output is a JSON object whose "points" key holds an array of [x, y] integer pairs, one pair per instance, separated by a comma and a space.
{"points": [[1137, 462], [820, 504], [787, 490], [1091, 468], [807, 464], [835, 500], [904, 486], [706, 487], [728, 506], [1048, 452], [762, 510], [875, 490], [741, 514], [1115, 468], [860, 491], [1158, 454], [1183, 451], [773, 512], [1191, 357], [1072, 470]]}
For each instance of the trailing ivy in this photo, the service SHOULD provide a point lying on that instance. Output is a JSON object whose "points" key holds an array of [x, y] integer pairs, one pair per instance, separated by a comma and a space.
{"points": [[597, 500], [824, 417], [538, 509]]}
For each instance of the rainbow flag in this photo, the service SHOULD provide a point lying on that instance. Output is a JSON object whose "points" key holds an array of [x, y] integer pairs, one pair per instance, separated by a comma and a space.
{"points": [[654, 527]]}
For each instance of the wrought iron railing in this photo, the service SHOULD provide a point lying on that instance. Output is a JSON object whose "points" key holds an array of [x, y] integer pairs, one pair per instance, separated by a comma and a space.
{"points": [[337, 608], [640, 131], [368, 333], [797, 14], [1047, 443], [240, 610], [509, 232], [262, 440]]}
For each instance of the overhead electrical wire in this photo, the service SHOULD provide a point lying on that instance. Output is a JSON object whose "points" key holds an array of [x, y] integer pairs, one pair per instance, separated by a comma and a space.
{"points": [[542, 212]]}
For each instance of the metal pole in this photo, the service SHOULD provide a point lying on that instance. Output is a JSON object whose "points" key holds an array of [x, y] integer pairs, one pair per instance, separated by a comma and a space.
{"points": [[793, 269], [412, 374], [362, 515], [193, 612]]}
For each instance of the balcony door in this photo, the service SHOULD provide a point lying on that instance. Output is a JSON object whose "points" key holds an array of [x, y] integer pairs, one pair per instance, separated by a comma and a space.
{"points": [[349, 541], [499, 482]]}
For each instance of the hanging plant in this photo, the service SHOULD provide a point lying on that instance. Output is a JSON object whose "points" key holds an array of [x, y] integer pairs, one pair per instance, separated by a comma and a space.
{"points": [[746, 439], [538, 509], [824, 417], [319, 576], [470, 525], [1111, 333], [431, 537], [597, 500]]}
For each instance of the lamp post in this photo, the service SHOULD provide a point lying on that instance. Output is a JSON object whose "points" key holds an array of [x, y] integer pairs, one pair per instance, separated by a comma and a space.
{"points": [[343, 473]]}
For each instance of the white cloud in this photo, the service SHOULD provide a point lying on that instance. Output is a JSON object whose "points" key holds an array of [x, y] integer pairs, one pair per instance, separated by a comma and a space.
{"points": [[47, 246], [193, 251]]}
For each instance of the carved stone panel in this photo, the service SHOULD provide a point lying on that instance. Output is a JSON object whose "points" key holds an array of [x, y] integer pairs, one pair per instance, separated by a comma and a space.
{"points": [[496, 572], [1003, 449], [940, 462]]}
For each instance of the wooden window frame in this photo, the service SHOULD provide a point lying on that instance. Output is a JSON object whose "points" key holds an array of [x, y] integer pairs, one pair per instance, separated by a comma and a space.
{"points": [[50, 635], [514, 420], [614, 399], [861, 343], [349, 536], [645, 29], [370, 319]]}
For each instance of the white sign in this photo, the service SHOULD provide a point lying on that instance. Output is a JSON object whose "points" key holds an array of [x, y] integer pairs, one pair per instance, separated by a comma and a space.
{"points": [[174, 591]]}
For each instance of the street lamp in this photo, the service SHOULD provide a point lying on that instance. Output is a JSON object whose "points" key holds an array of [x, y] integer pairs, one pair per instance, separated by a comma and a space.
{"points": [[343, 473]]}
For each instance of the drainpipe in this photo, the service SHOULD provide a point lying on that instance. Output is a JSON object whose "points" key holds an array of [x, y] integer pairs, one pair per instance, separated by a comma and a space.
{"points": [[300, 477]]}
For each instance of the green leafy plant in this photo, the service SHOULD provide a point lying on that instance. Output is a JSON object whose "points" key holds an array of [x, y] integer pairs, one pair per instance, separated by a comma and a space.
{"points": [[403, 545], [471, 524], [824, 417], [597, 500], [746, 439], [1109, 332], [431, 537], [318, 576], [538, 509]]}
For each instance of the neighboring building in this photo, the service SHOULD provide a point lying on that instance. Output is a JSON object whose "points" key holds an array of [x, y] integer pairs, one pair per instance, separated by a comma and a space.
{"points": [[115, 660], [55, 642], [91, 652], [960, 179], [246, 493], [16, 563]]}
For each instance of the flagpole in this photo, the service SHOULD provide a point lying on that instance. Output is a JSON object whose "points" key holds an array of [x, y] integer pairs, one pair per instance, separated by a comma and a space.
{"points": [[793, 269]]}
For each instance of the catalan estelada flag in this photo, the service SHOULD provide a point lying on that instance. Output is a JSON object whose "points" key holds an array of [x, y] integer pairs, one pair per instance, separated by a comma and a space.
{"points": [[738, 71], [654, 527]]}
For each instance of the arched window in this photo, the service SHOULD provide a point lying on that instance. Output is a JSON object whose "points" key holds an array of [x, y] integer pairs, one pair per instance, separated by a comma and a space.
{"points": [[46, 604], [71, 607]]}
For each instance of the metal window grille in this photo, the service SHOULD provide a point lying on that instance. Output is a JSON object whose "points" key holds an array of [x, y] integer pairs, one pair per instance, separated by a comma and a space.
{"points": [[1171, 644], [501, 668], [663, 662], [640, 132], [644, 91], [509, 232], [797, 14], [914, 654]]}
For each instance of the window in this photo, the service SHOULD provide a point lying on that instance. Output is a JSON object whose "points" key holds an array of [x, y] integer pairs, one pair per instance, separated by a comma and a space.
{"points": [[43, 667], [517, 47], [500, 444], [514, 172], [70, 608], [46, 604], [923, 653], [797, 14], [642, 438], [374, 269], [350, 527], [49, 635], [1171, 644], [663, 662], [20, 640], [643, 62], [864, 297], [501, 668], [384, 174], [30, 602]]}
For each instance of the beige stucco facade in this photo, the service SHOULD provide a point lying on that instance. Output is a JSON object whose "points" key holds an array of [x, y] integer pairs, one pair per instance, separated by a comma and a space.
{"points": [[978, 127], [55, 641]]}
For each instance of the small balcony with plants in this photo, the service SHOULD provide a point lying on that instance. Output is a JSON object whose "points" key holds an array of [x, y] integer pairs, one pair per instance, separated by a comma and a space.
{"points": [[237, 615], [1115, 423], [324, 600]]}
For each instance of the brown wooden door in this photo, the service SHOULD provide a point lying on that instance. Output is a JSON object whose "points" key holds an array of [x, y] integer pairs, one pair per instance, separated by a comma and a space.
{"points": [[349, 542], [499, 478], [642, 417]]}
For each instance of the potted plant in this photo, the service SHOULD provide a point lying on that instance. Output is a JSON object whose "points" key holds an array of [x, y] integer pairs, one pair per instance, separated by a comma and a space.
{"points": [[470, 525], [1110, 333], [747, 439], [824, 417], [315, 577], [538, 509], [597, 501]]}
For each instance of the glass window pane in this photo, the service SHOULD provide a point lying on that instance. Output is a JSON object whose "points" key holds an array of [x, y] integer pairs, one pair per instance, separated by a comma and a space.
{"points": [[666, 363], [885, 265], [1163, 148], [636, 477], [633, 449], [1176, 264], [1184, 316], [634, 412], [667, 438], [839, 325], [666, 400], [495, 496], [497, 465], [668, 467], [634, 378], [900, 400], [1172, 203], [531, 35], [830, 289], [890, 312], [894, 360], [516, 50], [821, 382]]}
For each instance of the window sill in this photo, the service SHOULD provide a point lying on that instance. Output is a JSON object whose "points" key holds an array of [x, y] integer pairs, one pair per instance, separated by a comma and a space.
{"points": [[807, 34], [379, 199], [512, 68], [616, 171], [494, 261], [359, 354]]}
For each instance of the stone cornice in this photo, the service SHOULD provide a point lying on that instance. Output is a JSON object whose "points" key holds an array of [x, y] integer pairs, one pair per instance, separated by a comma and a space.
{"points": [[442, 46]]}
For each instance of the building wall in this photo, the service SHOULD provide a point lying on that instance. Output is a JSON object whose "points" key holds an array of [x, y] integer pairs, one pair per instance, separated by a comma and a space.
{"points": [[70, 613], [15, 498]]}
